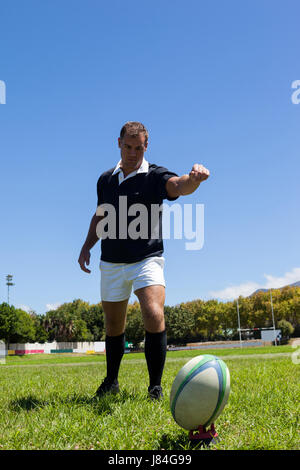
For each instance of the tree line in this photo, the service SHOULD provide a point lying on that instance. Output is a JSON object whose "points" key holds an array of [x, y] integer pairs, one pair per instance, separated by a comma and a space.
{"points": [[197, 320]]}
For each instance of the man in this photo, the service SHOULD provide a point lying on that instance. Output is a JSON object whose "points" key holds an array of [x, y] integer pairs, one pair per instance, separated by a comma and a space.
{"points": [[134, 262]]}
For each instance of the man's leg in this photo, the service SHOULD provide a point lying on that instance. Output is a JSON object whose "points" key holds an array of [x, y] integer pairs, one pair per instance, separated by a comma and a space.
{"points": [[115, 321], [152, 299]]}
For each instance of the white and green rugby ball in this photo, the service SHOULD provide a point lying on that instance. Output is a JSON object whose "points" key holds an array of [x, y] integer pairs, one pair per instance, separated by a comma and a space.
{"points": [[199, 392]]}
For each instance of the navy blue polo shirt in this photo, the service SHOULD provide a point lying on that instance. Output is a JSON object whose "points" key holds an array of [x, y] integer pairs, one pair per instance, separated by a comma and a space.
{"points": [[146, 186]]}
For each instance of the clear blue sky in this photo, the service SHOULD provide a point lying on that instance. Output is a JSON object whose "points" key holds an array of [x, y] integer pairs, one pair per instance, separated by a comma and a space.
{"points": [[212, 83]]}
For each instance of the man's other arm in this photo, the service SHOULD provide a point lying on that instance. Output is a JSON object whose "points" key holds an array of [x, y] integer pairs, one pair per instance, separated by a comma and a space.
{"points": [[91, 240]]}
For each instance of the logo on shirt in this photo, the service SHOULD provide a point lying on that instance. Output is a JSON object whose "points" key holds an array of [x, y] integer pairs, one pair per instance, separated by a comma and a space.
{"points": [[137, 221]]}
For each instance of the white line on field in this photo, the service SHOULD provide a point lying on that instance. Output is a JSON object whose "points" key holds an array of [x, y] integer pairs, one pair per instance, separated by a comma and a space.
{"points": [[169, 359]]}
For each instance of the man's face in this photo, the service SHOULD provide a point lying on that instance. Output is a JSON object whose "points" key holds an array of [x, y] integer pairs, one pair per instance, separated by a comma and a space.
{"points": [[132, 151]]}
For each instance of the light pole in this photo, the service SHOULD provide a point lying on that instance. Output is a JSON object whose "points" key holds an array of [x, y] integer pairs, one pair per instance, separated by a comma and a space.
{"points": [[275, 340], [239, 323], [9, 283]]}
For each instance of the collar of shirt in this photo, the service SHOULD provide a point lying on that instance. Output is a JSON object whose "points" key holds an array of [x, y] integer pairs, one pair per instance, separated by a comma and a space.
{"points": [[144, 168]]}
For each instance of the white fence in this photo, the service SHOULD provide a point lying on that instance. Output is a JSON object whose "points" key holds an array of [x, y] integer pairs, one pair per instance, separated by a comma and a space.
{"points": [[47, 348]]}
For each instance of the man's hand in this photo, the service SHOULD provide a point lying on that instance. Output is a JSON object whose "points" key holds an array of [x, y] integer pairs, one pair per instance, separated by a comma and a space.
{"points": [[198, 173], [84, 259], [187, 184]]}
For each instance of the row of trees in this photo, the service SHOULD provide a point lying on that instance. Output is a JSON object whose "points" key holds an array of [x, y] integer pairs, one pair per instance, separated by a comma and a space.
{"points": [[197, 320]]}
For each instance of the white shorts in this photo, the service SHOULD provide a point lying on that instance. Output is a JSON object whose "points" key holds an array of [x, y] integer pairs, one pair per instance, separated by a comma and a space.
{"points": [[117, 279]]}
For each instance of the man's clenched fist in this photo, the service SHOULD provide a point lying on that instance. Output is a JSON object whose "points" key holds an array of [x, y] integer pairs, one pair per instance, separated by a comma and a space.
{"points": [[199, 173]]}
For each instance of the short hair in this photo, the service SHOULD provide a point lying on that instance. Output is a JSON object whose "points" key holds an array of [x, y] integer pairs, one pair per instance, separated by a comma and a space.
{"points": [[133, 129]]}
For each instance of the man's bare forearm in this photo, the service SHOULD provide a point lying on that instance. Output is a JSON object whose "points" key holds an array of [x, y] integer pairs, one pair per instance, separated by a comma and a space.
{"points": [[186, 185], [92, 236]]}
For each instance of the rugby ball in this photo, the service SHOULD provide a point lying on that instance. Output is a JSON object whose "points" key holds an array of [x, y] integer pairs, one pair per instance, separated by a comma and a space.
{"points": [[200, 392]]}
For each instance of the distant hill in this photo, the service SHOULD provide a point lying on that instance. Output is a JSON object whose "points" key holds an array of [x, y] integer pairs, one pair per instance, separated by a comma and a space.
{"points": [[295, 284]]}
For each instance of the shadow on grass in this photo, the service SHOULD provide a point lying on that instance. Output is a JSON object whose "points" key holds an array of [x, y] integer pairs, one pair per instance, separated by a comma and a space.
{"points": [[171, 442], [27, 403], [180, 442], [100, 405]]}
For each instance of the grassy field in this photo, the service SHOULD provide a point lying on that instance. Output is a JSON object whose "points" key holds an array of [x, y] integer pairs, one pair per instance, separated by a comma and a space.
{"points": [[47, 404], [61, 358]]}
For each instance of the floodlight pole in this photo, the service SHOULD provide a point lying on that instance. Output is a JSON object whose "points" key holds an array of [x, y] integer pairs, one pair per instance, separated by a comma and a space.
{"points": [[239, 323], [9, 283], [275, 340]]}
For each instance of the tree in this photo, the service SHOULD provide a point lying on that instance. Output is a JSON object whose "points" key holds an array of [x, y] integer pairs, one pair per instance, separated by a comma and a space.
{"points": [[179, 324], [24, 331], [227, 314], [7, 320], [41, 335], [134, 331], [59, 325], [65, 324], [94, 319], [80, 331], [286, 328], [16, 325], [208, 321]]}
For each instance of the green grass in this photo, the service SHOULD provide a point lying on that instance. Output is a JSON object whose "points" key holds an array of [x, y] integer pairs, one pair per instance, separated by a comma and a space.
{"points": [[60, 358], [63, 358], [51, 407]]}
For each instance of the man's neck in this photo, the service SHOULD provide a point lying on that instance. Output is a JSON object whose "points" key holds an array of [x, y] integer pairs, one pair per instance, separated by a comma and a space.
{"points": [[127, 171]]}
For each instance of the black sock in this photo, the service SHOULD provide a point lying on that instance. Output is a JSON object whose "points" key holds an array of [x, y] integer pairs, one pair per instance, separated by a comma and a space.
{"points": [[155, 353], [115, 347]]}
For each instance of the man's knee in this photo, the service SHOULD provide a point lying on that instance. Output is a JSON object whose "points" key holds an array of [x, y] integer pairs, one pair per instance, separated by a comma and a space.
{"points": [[154, 319], [152, 305], [113, 328], [115, 317]]}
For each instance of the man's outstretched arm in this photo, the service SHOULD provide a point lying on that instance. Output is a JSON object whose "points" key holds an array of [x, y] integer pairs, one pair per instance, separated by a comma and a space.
{"points": [[187, 184], [91, 240]]}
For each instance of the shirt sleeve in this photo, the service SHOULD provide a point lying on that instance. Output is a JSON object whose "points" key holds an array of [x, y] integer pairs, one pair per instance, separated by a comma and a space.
{"points": [[162, 175]]}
